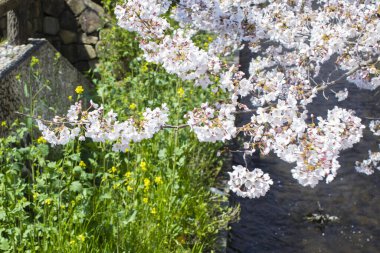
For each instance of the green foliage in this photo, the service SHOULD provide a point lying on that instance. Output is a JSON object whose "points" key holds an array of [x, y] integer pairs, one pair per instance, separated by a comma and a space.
{"points": [[154, 197]]}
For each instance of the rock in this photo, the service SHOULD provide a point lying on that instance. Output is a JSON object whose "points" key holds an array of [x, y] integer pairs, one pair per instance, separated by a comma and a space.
{"points": [[95, 7], [68, 37], [3, 22], [82, 66], [53, 7], [76, 6], [51, 25], [68, 21], [86, 52], [85, 39], [70, 52], [90, 21]]}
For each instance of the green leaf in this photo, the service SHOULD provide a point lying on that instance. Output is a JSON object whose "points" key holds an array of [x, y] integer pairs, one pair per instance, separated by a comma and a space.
{"points": [[162, 154], [131, 218], [4, 244], [76, 186], [26, 93]]}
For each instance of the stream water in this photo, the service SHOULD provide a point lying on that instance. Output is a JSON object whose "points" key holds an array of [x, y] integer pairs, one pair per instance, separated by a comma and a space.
{"points": [[277, 222]]}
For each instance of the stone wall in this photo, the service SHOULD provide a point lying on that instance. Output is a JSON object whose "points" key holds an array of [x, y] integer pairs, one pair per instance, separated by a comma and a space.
{"points": [[72, 27], [56, 81]]}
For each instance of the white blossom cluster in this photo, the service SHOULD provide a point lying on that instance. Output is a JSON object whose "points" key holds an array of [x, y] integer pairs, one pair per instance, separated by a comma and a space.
{"points": [[368, 166], [143, 17], [374, 126], [249, 184], [292, 40], [99, 126], [213, 123]]}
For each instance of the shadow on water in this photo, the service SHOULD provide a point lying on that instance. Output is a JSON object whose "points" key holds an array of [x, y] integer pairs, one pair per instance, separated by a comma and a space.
{"points": [[277, 222]]}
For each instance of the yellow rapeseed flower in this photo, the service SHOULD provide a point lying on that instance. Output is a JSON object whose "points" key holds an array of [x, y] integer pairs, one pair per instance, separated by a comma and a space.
{"points": [[81, 237], [34, 61], [113, 169], [79, 89], [132, 106], [143, 166], [153, 211], [128, 174], [158, 180], [41, 140], [70, 98], [82, 164], [181, 92], [146, 183], [145, 200], [3, 123], [129, 188], [48, 201]]}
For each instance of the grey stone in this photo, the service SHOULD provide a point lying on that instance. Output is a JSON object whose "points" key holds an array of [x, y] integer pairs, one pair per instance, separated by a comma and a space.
{"points": [[3, 22], [68, 37], [90, 21], [53, 7], [86, 52], [51, 25], [70, 52], [85, 39], [76, 6], [95, 7], [82, 66], [68, 21]]}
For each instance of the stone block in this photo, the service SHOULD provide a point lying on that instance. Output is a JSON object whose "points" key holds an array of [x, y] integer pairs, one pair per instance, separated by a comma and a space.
{"points": [[90, 21], [85, 39], [76, 6], [51, 25], [82, 66], [68, 37], [68, 21], [53, 7], [86, 52], [95, 7], [70, 52]]}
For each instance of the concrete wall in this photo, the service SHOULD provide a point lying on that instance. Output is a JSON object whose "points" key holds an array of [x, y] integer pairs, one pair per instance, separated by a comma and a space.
{"points": [[53, 71]]}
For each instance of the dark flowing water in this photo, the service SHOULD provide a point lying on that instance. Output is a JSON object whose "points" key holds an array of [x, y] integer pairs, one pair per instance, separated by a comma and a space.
{"points": [[276, 222]]}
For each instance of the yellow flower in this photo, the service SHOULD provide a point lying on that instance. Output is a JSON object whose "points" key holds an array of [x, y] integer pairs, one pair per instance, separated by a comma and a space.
{"points": [[129, 188], [158, 180], [79, 89], [145, 200], [113, 169], [72, 242], [143, 166], [126, 150], [116, 186], [34, 61], [41, 140], [81, 237], [48, 201], [70, 98], [132, 106], [18, 77], [146, 183], [153, 211], [128, 174], [181, 92], [82, 164], [35, 195], [3, 123]]}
